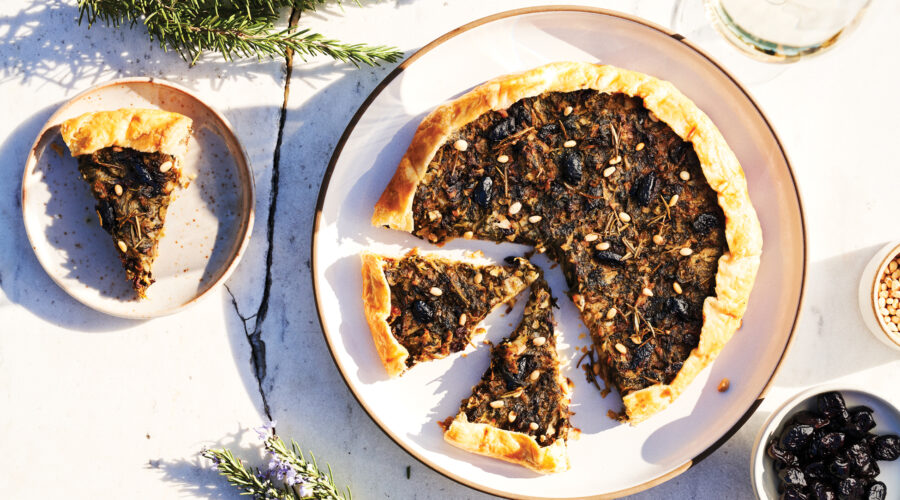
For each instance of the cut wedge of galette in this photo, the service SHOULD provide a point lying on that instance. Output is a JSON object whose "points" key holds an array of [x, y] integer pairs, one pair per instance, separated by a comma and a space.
{"points": [[131, 159], [519, 411], [422, 307]]}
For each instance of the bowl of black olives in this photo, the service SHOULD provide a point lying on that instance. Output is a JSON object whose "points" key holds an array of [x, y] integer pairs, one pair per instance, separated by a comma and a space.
{"points": [[829, 443]]}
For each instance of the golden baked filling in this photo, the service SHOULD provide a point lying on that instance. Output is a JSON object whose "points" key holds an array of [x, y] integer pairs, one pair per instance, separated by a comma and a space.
{"points": [[522, 392], [133, 191], [620, 179], [131, 159], [613, 195], [435, 305]]}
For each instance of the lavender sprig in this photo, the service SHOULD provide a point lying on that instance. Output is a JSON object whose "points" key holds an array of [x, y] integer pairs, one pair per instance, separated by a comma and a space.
{"points": [[288, 474]]}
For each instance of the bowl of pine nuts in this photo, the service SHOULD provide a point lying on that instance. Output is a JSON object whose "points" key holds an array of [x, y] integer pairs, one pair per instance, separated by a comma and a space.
{"points": [[879, 295]]}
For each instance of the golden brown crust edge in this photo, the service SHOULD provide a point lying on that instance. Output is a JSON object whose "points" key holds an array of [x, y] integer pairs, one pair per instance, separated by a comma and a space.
{"points": [[510, 446], [145, 130], [737, 267], [377, 308]]}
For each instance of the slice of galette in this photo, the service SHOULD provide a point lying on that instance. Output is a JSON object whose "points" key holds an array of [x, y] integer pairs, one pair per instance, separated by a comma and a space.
{"points": [[132, 159], [621, 180], [519, 411], [421, 307]]}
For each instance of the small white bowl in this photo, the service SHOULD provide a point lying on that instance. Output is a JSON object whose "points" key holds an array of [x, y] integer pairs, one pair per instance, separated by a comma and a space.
{"points": [[868, 294], [887, 419]]}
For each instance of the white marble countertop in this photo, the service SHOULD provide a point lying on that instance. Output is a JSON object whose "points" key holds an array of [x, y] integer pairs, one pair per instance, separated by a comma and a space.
{"points": [[97, 407]]}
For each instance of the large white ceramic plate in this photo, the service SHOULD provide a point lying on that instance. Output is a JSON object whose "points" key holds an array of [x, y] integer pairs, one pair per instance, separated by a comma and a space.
{"points": [[207, 226], [609, 459]]}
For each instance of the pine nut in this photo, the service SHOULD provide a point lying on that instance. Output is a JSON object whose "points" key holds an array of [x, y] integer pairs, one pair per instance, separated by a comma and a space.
{"points": [[437, 292], [569, 144], [461, 145]]}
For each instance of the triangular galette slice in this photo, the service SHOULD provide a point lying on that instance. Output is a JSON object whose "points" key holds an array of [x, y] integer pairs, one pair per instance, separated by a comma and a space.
{"points": [[131, 158], [421, 307], [519, 411]]}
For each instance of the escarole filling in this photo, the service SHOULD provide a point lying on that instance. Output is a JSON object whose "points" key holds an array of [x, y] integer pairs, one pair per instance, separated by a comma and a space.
{"points": [[132, 190], [436, 304], [522, 390], [609, 192]]}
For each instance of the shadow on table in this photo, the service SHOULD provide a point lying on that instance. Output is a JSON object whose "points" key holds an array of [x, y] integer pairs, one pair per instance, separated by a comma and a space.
{"points": [[22, 278], [831, 340], [197, 477], [43, 42]]}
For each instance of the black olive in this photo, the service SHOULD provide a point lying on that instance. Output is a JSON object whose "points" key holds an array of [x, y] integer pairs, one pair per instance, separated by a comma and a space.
{"points": [[793, 494], [859, 455], [484, 191], [862, 420], [832, 405], [781, 456], [644, 189], [829, 444], [811, 418], [792, 476], [679, 307], [422, 312], [815, 471], [821, 491], [850, 489], [704, 223], [106, 211], [503, 129], [870, 471], [877, 491], [573, 167], [839, 468], [521, 114], [548, 131], [524, 366], [640, 355], [150, 178], [608, 257], [886, 448], [796, 437]]}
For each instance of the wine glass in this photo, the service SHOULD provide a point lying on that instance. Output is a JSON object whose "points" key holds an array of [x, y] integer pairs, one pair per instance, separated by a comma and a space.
{"points": [[784, 30]]}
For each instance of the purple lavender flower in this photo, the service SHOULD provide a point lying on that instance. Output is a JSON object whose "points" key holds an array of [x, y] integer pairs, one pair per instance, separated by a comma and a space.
{"points": [[265, 430], [306, 490], [290, 476]]}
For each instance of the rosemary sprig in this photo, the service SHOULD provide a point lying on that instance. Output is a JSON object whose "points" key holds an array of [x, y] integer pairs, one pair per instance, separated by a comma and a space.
{"points": [[288, 475], [233, 28]]}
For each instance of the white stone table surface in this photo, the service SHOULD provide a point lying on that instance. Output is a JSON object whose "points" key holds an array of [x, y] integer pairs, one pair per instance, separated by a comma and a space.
{"points": [[97, 407]]}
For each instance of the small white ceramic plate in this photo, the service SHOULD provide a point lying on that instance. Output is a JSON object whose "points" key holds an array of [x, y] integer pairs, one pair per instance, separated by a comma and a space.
{"points": [[609, 458], [887, 419], [207, 226]]}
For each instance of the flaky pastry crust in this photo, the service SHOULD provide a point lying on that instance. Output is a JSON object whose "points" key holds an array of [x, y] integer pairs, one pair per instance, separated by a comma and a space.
{"points": [[377, 307], [737, 267], [145, 130], [510, 446]]}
